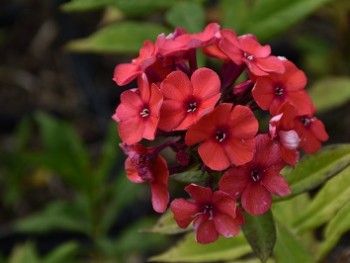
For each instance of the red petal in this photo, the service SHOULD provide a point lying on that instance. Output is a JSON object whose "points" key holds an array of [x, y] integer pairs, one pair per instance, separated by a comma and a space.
{"points": [[229, 45], [176, 86], [213, 155], [206, 232], [243, 122], [131, 172], [290, 156], [267, 151], [124, 113], [263, 92], [235, 181], [155, 101], [131, 131], [201, 195], [319, 130], [131, 100], [295, 79], [184, 211], [125, 73], [249, 44], [240, 151], [171, 115], [160, 196], [225, 225], [160, 170], [150, 127], [276, 184], [206, 83], [270, 64], [256, 200], [224, 203]]}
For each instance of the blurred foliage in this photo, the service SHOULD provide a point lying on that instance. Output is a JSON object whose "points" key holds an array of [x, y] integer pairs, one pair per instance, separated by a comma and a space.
{"points": [[92, 209]]}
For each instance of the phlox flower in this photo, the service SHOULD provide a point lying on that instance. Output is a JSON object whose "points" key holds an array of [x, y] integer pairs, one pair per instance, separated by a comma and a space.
{"points": [[255, 181], [124, 73], [281, 129], [271, 91], [187, 100], [138, 112], [226, 136], [213, 213], [311, 132], [142, 165], [180, 42], [247, 50]]}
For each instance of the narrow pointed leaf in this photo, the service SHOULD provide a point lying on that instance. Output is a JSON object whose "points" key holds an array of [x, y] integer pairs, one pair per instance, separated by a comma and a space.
{"points": [[260, 233], [313, 170], [337, 226], [332, 197], [124, 37], [188, 250], [326, 98], [289, 249]]}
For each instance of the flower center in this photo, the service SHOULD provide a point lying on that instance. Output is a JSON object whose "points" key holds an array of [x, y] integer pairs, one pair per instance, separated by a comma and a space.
{"points": [[248, 56], [192, 107], [305, 121], [279, 91], [208, 209], [144, 113], [255, 174], [220, 136]]}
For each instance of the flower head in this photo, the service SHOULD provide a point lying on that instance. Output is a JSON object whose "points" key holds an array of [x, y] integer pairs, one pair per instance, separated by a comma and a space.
{"points": [[272, 91], [142, 165], [138, 112], [212, 213], [185, 100], [226, 136], [255, 181]]}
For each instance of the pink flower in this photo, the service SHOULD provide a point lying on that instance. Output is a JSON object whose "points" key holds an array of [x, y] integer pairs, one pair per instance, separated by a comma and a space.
{"points": [[185, 100], [226, 136], [246, 49], [212, 213], [138, 112], [255, 181], [142, 165], [271, 91]]}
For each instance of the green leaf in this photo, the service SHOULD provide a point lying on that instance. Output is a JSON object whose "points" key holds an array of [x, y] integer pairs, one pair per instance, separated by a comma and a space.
{"points": [[166, 225], [313, 170], [289, 249], [142, 8], [337, 226], [260, 233], [234, 14], [330, 92], [123, 37], [57, 215], [24, 254], [132, 240], [23, 133], [188, 250], [332, 196], [84, 5], [64, 150], [191, 176], [189, 15], [64, 253], [268, 18]]}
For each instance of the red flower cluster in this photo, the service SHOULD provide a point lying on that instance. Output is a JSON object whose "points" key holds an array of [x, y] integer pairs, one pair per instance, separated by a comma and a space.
{"points": [[209, 121]]}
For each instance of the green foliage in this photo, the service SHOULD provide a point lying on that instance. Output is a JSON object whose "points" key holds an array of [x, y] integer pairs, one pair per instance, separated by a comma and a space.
{"points": [[315, 169], [260, 233], [266, 18], [289, 249], [188, 15], [188, 250], [330, 92], [122, 37]]}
